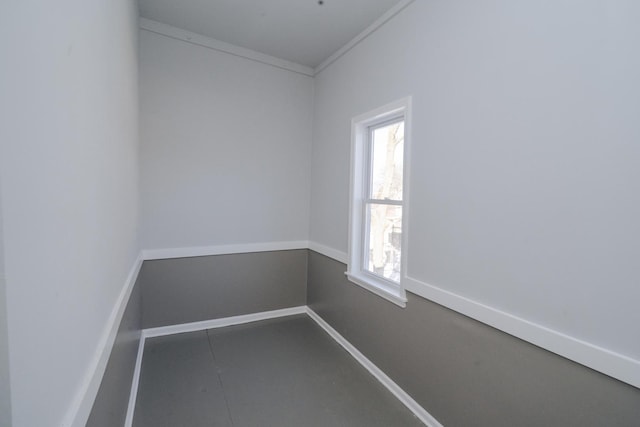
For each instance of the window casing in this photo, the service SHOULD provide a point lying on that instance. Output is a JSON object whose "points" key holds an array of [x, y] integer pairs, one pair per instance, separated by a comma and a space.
{"points": [[378, 213]]}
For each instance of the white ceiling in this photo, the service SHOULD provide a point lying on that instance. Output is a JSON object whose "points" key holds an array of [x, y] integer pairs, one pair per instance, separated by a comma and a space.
{"points": [[300, 31]]}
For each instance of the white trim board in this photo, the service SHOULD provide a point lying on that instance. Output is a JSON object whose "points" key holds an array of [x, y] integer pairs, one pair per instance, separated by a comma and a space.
{"points": [[135, 382], [616, 365], [329, 252], [80, 409], [400, 394], [222, 322], [196, 251], [242, 248], [210, 43]]}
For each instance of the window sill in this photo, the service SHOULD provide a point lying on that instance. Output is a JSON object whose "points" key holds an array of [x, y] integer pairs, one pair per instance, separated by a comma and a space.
{"points": [[394, 294]]}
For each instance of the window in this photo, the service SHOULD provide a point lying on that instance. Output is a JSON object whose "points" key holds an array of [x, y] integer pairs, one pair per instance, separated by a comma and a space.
{"points": [[379, 153]]}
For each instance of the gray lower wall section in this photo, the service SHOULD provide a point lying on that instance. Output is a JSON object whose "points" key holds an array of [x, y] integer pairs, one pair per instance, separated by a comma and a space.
{"points": [[5, 390], [110, 406], [464, 372], [183, 290]]}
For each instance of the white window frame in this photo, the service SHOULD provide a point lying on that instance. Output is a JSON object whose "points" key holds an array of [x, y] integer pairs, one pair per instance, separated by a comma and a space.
{"points": [[360, 164]]}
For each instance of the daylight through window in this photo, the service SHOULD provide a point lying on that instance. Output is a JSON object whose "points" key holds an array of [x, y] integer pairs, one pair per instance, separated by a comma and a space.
{"points": [[383, 206]]}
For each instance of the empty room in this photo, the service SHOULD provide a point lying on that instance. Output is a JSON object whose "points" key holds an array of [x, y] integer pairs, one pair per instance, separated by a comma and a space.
{"points": [[276, 213]]}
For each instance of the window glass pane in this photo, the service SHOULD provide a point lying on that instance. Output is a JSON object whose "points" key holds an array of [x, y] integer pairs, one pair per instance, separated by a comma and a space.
{"points": [[383, 240], [387, 147]]}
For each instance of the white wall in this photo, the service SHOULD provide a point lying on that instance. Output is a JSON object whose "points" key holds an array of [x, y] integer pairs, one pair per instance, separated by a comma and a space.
{"points": [[525, 169], [69, 189], [225, 144]]}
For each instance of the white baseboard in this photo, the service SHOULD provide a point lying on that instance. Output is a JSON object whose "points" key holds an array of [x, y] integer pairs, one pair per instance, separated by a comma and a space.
{"points": [[394, 388], [135, 382], [196, 251], [80, 408], [242, 248], [221, 323], [600, 359]]}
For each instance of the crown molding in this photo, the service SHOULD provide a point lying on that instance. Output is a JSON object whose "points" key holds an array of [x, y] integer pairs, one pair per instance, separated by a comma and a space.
{"points": [[363, 35], [217, 45]]}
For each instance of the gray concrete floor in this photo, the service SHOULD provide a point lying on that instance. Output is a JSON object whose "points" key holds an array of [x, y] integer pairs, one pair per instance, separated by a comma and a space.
{"points": [[280, 372]]}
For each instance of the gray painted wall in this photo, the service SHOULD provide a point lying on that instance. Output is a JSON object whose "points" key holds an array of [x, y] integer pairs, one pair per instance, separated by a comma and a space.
{"points": [[110, 407], [183, 290], [5, 389], [462, 371]]}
